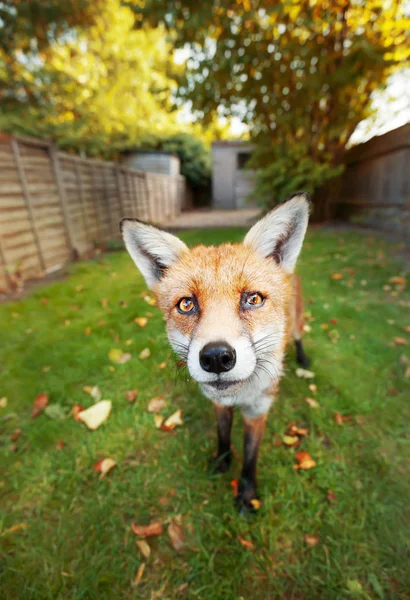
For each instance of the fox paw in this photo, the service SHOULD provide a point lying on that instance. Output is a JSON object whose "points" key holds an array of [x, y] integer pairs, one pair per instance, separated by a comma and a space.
{"points": [[246, 495]]}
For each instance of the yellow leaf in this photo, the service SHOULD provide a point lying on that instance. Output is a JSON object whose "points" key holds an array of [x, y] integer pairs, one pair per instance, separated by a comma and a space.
{"points": [[144, 548], [173, 421], [106, 465], [146, 353], [290, 440], [96, 415], [141, 321]]}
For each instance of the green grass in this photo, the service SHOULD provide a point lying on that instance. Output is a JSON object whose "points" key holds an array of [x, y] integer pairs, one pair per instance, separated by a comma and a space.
{"points": [[77, 543]]}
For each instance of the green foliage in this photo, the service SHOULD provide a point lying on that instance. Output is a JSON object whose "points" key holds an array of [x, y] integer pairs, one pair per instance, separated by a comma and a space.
{"points": [[299, 74], [194, 156], [281, 172], [66, 534]]}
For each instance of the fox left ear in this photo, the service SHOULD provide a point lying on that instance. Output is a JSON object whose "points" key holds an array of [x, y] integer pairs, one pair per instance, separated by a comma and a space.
{"points": [[280, 234], [152, 249]]}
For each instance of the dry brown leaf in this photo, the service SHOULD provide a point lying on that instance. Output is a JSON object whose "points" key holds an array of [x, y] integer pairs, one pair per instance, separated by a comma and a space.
{"points": [[141, 321], [324, 326], [176, 536], [131, 395], [155, 405], [337, 276], [146, 353], [300, 431], [400, 341], [333, 321], [340, 419], [144, 548], [398, 280], [305, 461], [60, 444], [77, 408], [406, 328], [312, 402], [154, 528], [87, 330], [96, 415], [125, 358], [158, 420], [246, 543], [15, 435], [331, 497], [313, 387], [139, 575], [17, 527], [173, 421], [181, 363], [39, 404], [162, 365], [311, 540]]}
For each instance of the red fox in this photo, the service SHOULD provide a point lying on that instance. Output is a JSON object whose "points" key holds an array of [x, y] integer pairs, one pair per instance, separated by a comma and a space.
{"points": [[230, 312]]}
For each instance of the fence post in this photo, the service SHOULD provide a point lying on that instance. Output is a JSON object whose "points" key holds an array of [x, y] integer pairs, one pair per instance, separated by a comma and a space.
{"points": [[62, 195], [27, 200], [77, 169], [118, 179]]}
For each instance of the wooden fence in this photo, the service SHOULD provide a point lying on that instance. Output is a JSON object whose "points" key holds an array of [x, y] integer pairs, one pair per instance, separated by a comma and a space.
{"points": [[374, 189], [56, 206]]}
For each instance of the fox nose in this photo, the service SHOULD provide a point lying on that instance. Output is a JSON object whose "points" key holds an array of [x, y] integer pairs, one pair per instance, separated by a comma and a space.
{"points": [[217, 357]]}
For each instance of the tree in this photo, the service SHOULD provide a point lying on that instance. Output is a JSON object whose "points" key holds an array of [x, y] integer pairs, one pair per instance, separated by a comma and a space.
{"points": [[300, 73], [194, 156], [100, 88]]}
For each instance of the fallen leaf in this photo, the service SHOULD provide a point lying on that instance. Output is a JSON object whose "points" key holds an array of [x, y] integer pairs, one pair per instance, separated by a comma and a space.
{"points": [[104, 302], [234, 485], [144, 548], [406, 328], [176, 536], [331, 497], [181, 363], [141, 321], [400, 341], [305, 461], [154, 528], [13, 448], [173, 421], [156, 404], [300, 431], [44, 301], [337, 276], [407, 373], [311, 540], [103, 466], [17, 527], [355, 587], [158, 420], [96, 415], [304, 373], [312, 402], [111, 368], [3, 402], [46, 368], [77, 408], [39, 404], [333, 321], [397, 280], [290, 440], [256, 504], [94, 392], [313, 387], [79, 288], [87, 330], [125, 358], [150, 300], [145, 353], [131, 395], [115, 355], [340, 419], [246, 543], [324, 326], [60, 444], [139, 575], [55, 412], [162, 365], [15, 435]]}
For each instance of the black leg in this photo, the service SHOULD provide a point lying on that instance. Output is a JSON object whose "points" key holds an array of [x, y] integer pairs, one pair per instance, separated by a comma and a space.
{"points": [[253, 434], [222, 461], [301, 357]]}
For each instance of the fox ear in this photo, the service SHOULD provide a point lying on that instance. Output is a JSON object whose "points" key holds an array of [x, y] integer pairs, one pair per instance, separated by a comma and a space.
{"points": [[280, 234], [152, 249]]}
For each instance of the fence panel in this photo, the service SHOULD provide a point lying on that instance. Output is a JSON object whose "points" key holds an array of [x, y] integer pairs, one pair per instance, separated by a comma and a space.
{"points": [[56, 206]]}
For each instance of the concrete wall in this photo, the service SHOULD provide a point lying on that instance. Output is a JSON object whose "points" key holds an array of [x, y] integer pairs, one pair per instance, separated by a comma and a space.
{"points": [[153, 162], [230, 184]]}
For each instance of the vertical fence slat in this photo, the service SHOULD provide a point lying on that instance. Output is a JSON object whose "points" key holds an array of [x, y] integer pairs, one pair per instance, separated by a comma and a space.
{"points": [[27, 200], [69, 233]]}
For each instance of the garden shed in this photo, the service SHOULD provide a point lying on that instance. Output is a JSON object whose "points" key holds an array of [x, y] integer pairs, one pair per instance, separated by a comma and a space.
{"points": [[231, 181]]}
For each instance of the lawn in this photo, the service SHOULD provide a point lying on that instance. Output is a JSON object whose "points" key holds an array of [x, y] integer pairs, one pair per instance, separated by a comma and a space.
{"points": [[66, 533]]}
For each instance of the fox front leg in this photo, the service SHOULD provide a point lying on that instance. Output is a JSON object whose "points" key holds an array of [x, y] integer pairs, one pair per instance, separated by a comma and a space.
{"points": [[224, 416], [253, 433]]}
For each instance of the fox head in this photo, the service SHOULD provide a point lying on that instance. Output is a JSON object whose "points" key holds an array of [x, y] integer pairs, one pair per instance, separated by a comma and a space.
{"points": [[226, 307]]}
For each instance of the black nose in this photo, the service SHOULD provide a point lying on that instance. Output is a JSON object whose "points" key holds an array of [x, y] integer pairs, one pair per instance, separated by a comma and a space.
{"points": [[217, 357]]}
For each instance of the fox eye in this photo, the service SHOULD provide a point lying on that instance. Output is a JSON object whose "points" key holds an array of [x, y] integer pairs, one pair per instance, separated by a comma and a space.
{"points": [[186, 306], [252, 300]]}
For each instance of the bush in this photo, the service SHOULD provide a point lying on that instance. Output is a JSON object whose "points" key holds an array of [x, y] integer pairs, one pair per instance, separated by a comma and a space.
{"points": [[195, 158]]}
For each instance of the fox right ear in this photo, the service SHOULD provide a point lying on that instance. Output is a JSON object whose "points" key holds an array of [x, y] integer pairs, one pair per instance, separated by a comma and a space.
{"points": [[279, 235], [152, 249]]}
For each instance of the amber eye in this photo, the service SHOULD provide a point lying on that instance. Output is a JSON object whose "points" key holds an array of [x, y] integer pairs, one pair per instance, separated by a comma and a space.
{"points": [[186, 306], [252, 300]]}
